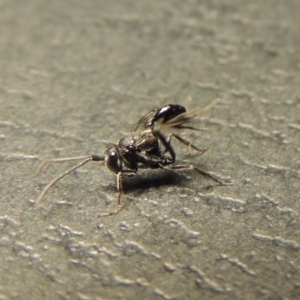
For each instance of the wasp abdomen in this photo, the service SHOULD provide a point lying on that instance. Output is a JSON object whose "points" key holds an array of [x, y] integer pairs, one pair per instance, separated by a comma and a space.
{"points": [[166, 113]]}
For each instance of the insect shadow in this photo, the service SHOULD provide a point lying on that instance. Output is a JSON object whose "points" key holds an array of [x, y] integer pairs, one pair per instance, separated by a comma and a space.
{"points": [[153, 180], [145, 146]]}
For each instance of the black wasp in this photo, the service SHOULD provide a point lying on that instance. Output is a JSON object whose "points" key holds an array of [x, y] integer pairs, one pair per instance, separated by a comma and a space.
{"points": [[144, 146]]}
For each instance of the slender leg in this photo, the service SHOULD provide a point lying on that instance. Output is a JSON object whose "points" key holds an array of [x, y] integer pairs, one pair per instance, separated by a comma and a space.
{"points": [[50, 184], [199, 171], [124, 173], [120, 175], [167, 145], [185, 142]]}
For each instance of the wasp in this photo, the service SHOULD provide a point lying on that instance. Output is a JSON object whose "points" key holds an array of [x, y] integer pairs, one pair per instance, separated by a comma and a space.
{"points": [[144, 146]]}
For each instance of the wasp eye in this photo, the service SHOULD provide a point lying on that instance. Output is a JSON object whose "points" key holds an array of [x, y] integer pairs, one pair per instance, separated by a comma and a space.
{"points": [[112, 158]]}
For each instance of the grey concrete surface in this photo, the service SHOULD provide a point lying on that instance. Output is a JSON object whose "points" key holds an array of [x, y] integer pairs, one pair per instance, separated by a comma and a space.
{"points": [[75, 75]]}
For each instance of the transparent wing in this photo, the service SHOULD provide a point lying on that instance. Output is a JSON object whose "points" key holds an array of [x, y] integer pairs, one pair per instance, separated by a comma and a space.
{"points": [[146, 123], [141, 125], [186, 117]]}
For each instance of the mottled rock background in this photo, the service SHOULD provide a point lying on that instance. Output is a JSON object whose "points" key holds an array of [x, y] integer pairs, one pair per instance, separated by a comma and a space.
{"points": [[75, 75]]}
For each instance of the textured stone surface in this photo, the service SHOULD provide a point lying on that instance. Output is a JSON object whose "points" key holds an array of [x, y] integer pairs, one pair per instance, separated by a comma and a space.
{"points": [[75, 75]]}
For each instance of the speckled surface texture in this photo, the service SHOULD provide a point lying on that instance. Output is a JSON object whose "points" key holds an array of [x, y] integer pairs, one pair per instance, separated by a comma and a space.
{"points": [[75, 75]]}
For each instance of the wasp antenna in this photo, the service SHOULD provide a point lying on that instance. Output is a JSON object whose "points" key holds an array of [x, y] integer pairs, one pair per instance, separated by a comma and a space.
{"points": [[50, 184], [47, 162]]}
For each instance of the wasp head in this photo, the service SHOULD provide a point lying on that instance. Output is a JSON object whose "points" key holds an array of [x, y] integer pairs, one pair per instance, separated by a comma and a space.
{"points": [[112, 158]]}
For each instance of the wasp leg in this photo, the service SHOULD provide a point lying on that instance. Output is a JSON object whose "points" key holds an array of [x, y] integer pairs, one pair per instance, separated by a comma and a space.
{"points": [[187, 143], [124, 173], [120, 175], [199, 171], [167, 145], [50, 184]]}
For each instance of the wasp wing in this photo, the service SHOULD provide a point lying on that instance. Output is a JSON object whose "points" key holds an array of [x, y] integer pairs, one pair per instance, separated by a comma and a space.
{"points": [[141, 125], [179, 121], [154, 120], [186, 117]]}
